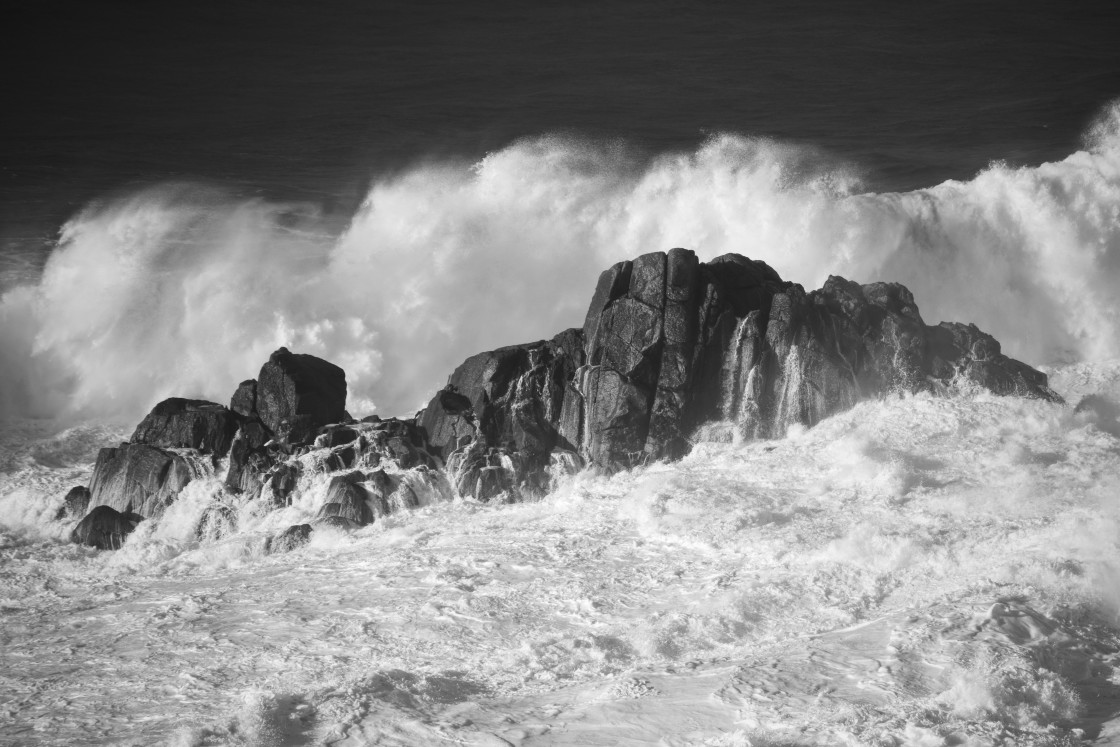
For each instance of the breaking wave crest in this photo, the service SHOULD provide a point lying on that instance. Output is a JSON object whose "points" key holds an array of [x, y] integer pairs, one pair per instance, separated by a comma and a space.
{"points": [[182, 289]]}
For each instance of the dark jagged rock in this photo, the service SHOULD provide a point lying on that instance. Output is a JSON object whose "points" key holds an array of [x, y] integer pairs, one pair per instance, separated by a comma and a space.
{"points": [[188, 424], [138, 478], [282, 481], [291, 538], [74, 505], [249, 458], [671, 350], [964, 351], [244, 400], [512, 400], [105, 528], [670, 345], [348, 497], [298, 394], [399, 441]]}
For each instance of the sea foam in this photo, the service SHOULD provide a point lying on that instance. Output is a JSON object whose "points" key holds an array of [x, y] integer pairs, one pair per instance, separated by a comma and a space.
{"points": [[180, 289]]}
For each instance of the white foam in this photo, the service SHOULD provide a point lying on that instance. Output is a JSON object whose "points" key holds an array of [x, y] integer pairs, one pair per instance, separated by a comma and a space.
{"points": [[182, 290]]}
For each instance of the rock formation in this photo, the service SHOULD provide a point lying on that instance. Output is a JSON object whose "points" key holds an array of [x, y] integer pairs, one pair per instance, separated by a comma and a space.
{"points": [[671, 345], [297, 394], [105, 528], [139, 479], [188, 424], [672, 350], [74, 505]]}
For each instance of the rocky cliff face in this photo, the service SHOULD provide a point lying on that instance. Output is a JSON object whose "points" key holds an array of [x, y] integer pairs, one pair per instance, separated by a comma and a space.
{"points": [[672, 350]]}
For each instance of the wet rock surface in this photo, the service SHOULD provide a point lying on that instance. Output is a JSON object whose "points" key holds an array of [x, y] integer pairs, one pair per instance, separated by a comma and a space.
{"points": [[297, 394], [105, 528], [671, 345], [74, 505], [671, 351], [140, 479], [291, 538], [188, 424]]}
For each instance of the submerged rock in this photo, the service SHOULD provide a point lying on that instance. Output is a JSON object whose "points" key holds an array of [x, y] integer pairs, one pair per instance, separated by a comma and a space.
{"points": [[105, 528], [348, 497], [297, 394]]}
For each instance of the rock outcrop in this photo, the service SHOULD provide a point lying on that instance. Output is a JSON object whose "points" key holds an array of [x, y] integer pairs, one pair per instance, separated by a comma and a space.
{"points": [[504, 414], [105, 528], [671, 351], [140, 479], [671, 346], [188, 424]]}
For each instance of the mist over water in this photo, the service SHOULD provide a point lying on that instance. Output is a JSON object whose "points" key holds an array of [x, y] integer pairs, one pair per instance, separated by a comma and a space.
{"points": [[182, 289]]}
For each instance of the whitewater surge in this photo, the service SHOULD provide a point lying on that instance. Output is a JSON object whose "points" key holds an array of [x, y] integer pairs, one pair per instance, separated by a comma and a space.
{"points": [[917, 571], [180, 289]]}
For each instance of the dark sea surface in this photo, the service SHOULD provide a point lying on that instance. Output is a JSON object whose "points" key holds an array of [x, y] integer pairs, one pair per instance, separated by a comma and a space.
{"points": [[313, 100]]}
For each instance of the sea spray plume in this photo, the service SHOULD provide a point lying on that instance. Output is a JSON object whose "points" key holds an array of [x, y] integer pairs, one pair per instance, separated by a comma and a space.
{"points": [[181, 273], [446, 259]]}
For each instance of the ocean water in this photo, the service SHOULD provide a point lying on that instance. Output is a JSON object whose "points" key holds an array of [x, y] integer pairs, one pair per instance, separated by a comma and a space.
{"points": [[918, 571], [394, 189]]}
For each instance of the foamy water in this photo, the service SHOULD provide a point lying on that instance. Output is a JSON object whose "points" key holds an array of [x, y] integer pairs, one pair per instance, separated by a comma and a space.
{"points": [[917, 571]]}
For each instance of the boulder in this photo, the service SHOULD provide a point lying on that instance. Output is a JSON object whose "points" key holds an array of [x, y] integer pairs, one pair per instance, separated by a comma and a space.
{"points": [[140, 479], [74, 505], [188, 424], [244, 400], [282, 480], [348, 497], [963, 352], [298, 394], [291, 538], [105, 528]]}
